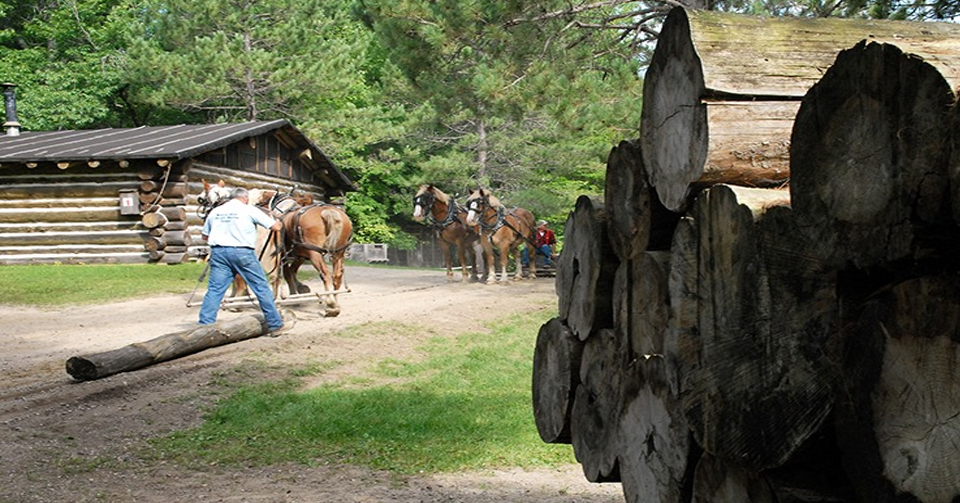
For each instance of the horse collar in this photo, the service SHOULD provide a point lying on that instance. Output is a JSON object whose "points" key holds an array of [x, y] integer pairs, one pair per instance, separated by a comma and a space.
{"points": [[452, 210]]}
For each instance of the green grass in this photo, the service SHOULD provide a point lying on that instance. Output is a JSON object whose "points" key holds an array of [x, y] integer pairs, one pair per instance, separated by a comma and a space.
{"points": [[48, 285], [55, 285], [465, 406]]}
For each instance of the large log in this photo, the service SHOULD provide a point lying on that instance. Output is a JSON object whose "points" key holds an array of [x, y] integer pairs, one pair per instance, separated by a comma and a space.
{"points": [[654, 446], [556, 375], [585, 270], [57, 189], [636, 219], [640, 300], [595, 418], [83, 237], [81, 214], [166, 347], [720, 481], [899, 427], [754, 368], [714, 73], [869, 167]]}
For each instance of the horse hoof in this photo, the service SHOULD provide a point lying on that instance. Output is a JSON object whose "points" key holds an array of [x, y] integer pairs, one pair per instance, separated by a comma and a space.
{"points": [[331, 312]]}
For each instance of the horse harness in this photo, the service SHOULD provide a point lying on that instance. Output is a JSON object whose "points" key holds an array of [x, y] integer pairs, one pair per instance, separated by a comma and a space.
{"points": [[427, 200], [500, 223], [298, 240]]}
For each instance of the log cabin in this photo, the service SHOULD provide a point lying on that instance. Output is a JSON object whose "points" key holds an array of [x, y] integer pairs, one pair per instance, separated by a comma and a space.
{"points": [[129, 195]]}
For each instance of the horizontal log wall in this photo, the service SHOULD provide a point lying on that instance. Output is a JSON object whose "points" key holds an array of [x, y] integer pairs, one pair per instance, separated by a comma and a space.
{"points": [[52, 215]]}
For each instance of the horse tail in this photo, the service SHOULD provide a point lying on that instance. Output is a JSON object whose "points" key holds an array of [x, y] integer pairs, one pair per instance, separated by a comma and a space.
{"points": [[337, 223]]}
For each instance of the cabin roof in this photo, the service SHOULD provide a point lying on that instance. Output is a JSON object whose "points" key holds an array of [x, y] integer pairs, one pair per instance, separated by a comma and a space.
{"points": [[153, 142]]}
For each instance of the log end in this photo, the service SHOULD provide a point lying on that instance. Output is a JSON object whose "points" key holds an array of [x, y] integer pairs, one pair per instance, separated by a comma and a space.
{"points": [[81, 369]]}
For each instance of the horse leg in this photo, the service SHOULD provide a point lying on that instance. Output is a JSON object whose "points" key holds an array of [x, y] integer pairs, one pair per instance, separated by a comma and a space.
{"points": [[518, 258], [488, 260], [462, 255], [504, 258], [332, 306], [447, 260]]}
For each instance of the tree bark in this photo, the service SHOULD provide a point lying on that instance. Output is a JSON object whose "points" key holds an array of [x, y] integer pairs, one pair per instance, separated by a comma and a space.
{"points": [[585, 270], [899, 429], [556, 375], [868, 165], [163, 348]]}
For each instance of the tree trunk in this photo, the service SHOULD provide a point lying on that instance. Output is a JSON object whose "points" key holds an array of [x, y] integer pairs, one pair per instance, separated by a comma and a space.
{"points": [[585, 270], [595, 418], [754, 367], [868, 165], [900, 428], [706, 62], [719, 481], [640, 300], [556, 375], [166, 347], [627, 200], [654, 446]]}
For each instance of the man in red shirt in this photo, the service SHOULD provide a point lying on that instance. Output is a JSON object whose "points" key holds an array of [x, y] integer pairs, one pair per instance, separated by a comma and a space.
{"points": [[545, 242]]}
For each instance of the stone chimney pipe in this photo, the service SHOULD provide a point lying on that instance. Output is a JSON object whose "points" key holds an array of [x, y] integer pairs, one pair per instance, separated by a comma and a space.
{"points": [[12, 125]]}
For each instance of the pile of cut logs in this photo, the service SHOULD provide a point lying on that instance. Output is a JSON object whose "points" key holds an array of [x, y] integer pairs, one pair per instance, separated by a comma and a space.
{"points": [[765, 305]]}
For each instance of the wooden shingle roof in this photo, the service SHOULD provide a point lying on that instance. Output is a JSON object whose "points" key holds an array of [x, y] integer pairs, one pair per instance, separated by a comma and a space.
{"points": [[151, 142]]}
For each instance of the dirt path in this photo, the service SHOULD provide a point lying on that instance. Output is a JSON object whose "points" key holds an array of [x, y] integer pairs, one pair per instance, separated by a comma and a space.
{"points": [[64, 441]]}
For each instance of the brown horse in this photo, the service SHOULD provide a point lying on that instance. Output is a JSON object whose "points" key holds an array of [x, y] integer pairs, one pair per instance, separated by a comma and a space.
{"points": [[501, 228], [449, 221], [311, 232]]}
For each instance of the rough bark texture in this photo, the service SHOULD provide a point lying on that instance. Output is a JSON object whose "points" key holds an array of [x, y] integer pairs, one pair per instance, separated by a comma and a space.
{"points": [[163, 348]]}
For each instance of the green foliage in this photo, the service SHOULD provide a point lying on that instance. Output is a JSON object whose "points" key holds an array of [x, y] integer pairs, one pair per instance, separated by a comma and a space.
{"points": [[55, 285], [465, 406]]}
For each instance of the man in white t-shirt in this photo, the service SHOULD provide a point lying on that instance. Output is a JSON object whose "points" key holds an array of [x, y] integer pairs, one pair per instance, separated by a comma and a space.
{"points": [[231, 231]]}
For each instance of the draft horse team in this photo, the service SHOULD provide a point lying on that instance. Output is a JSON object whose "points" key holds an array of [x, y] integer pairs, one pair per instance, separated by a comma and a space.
{"points": [[314, 231], [482, 219], [311, 231]]}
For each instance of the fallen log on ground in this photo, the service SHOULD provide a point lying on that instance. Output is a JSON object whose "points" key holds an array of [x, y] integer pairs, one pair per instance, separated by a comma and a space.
{"points": [[166, 347]]}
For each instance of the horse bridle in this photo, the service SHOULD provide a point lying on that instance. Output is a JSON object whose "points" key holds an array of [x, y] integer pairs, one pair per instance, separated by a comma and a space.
{"points": [[427, 200], [501, 216]]}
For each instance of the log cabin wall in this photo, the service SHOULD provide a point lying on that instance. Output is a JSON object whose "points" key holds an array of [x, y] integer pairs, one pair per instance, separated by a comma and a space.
{"points": [[50, 215], [74, 212]]}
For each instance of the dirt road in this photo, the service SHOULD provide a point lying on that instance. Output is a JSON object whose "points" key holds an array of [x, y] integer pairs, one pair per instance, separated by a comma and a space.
{"points": [[66, 441]]}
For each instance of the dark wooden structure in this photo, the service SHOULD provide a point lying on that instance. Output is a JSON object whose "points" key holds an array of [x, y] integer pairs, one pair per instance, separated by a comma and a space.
{"points": [[130, 195], [765, 306]]}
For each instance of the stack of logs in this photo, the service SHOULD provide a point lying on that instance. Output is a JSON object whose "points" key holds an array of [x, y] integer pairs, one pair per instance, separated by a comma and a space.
{"points": [[163, 195], [732, 329]]}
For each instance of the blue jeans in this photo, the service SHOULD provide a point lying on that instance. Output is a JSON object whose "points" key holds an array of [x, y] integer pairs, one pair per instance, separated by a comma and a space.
{"points": [[225, 263], [544, 250]]}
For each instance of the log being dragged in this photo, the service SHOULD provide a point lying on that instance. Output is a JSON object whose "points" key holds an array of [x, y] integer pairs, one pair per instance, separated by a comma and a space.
{"points": [[166, 347]]}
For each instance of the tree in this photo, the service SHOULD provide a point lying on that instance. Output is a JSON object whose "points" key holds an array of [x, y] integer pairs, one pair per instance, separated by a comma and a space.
{"points": [[64, 58]]}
